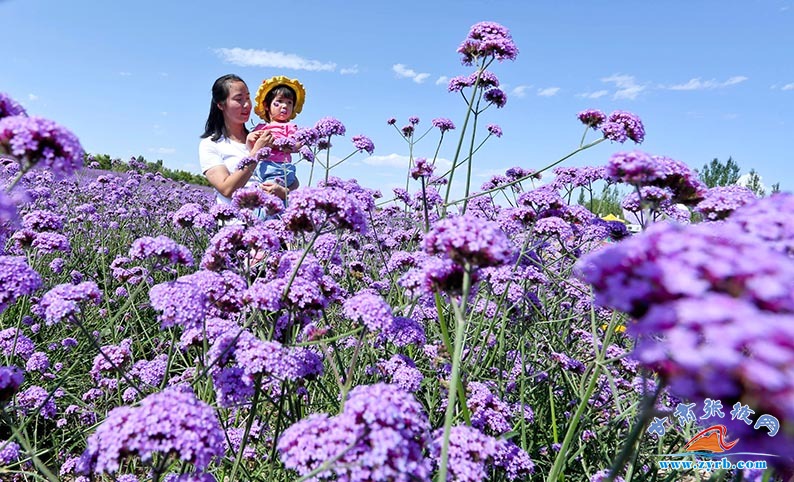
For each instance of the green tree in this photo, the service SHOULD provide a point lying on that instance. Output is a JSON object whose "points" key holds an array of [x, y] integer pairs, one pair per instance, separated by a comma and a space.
{"points": [[607, 203], [754, 183], [716, 173]]}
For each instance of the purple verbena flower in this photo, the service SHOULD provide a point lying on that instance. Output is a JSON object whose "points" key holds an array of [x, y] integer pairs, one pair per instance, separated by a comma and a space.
{"points": [[63, 301], [443, 124], [9, 451], [254, 198], [9, 107], [720, 201], [11, 379], [487, 39], [171, 422], [311, 209], [14, 342], [421, 168], [631, 124], [496, 97], [161, 247], [369, 309], [363, 143], [592, 118], [468, 239], [41, 142], [380, 435], [768, 220], [36, 397], [192, 215], [456, 84], [17, 279], [180, 302], [329, 126], [494, 130], [42, 220]]}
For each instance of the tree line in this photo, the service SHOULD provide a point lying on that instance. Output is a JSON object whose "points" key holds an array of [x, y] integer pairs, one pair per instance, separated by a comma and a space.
{"points": [[140, 164]]}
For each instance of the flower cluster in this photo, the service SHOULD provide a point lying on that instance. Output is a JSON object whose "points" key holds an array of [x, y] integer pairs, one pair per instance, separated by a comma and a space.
{"points": [[472, 454], [10, 380], [369, 309], [468, 239], [422, 168], [622, 125], [487, 39], [161, 247], [720, 201], [9, 107], [714, 313], [380, 435], [592, 118], [63, 301], [41, 142], [641, 169], [168, 422], [363, 143], [255, 198], [443, 124], [329, 126], [17, 279], [310, 209], [769, 220]]}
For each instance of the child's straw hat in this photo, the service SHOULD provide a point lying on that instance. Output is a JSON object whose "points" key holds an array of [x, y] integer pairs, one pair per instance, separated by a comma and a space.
{"points": [[269, 84]]}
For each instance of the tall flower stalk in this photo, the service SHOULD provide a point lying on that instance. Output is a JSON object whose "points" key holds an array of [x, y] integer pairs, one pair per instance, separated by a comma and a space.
{"points": [[486, 42]]}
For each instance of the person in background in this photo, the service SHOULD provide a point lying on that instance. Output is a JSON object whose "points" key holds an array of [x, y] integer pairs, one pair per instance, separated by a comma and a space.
{"points": [[223, 143]]}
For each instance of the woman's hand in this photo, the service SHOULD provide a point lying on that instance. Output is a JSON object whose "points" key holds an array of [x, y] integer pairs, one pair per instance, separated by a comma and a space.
{"points": [[275, 189], [258, 140]]}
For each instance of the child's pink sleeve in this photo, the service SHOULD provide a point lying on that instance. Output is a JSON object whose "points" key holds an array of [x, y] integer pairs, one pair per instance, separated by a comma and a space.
{"points": [[260, 127]]}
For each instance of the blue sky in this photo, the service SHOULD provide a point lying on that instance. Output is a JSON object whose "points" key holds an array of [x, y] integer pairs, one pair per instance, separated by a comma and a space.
{"points": [[708, 78]]}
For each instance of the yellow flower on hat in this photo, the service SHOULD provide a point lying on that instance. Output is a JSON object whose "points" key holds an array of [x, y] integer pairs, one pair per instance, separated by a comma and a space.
{"points": [[269, 84]]}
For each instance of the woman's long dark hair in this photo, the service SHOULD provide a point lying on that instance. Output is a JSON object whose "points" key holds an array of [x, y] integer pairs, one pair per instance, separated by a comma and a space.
{"points": [[215, 128]]}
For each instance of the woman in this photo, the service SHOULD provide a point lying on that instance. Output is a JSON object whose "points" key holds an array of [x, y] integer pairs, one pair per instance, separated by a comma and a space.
{"points": [[222, 146]]}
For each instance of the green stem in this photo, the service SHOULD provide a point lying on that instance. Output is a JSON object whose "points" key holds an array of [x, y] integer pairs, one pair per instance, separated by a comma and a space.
{"points": [[248, 425], [460, 335], [567, 156], [460, 141], [471, 156]]}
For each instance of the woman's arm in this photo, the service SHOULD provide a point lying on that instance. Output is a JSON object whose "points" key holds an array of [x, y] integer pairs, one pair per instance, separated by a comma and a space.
{"points": [[219, 176], [226, 183]]}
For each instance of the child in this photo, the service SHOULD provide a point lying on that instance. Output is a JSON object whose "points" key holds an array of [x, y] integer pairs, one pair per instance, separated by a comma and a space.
{"points": [[278, 100]]}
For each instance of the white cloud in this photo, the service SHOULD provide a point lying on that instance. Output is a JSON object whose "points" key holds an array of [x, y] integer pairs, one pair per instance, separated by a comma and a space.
{"points": [[125, 74], [266, 58], [520, 91], [697, 84], [33, 97], [593, 95], [162, 150], [442, 80], [390, 160], [548, 91], [402, 71], [788, 86], [349, 70], [626, 85], [401, 161], [163, 74]]}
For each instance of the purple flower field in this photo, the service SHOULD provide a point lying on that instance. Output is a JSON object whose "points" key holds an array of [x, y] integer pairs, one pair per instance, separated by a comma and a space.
{"points": [[147, 333]]}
